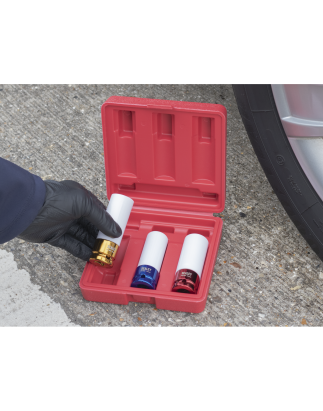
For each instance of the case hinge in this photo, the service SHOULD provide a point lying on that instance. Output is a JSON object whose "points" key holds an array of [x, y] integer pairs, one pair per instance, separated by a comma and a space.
{"points": [[176, 211]]}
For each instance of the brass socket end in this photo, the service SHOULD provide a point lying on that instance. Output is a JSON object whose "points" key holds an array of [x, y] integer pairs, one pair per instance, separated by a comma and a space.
{"points": [[104, 253]]}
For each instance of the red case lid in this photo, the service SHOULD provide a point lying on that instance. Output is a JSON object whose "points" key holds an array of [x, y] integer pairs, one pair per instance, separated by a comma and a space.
{"points": [[165, 154]]}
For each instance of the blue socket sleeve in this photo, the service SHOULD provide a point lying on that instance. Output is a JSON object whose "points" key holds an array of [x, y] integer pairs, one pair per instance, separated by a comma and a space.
{"points": [[145, 276]]}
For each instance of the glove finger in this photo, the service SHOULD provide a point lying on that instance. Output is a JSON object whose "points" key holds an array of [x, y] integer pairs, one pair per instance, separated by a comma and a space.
{"points": [[101, 219], [73, 246], [94, 231], [80, 233]]}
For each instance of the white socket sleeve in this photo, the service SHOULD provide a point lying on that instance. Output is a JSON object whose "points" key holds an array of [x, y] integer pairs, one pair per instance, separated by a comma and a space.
{"points": [[193, 253], [119, 208], [154, 250]]}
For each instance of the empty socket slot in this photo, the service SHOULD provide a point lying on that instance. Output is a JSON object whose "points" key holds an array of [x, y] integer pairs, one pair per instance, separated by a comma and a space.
{"points": [[126, 147], [204, 129], [109, 278], [125, 123], [102, 275], [164, 148], [165, 126], [203, 150]]}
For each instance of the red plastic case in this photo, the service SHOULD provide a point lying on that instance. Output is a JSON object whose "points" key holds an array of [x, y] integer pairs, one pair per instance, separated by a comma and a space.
{"points": [[169, 157]]}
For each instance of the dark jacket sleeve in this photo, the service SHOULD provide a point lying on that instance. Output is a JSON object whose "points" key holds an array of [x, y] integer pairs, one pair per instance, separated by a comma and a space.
{"points": [[22, 195]]}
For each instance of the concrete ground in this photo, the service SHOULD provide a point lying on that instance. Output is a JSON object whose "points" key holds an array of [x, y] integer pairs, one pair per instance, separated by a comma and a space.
{"points": [[265, 274]]}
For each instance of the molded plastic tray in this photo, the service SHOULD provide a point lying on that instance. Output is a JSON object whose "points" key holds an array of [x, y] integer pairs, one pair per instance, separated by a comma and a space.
{"points": [[169, 157]]}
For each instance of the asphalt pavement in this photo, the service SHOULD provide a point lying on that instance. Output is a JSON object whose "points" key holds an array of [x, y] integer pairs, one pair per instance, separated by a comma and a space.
{"points": [[265, 274]]}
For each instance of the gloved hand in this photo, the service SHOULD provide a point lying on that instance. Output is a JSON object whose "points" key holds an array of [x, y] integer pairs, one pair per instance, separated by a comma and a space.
{"points": [[70, 219]]}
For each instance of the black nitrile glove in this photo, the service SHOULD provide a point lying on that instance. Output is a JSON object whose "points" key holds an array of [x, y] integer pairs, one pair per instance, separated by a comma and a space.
{"points": [[70, 218]]}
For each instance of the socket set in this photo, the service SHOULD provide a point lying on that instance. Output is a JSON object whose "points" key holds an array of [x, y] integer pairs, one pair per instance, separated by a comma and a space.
{"points": [[168, 159]]}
